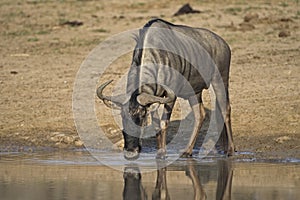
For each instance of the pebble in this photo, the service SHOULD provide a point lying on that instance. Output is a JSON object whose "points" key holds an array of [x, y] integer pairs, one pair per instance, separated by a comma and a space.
{"points": [[78, 143], [251, 17], [186, 9], [284, 33], [282, 139], [114, 131], [246, 26], [119, 145], [68, 139], [61, 138]]}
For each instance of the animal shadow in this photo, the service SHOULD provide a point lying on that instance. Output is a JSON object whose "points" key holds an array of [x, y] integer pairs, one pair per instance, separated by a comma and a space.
{"points": [[179, 131]]}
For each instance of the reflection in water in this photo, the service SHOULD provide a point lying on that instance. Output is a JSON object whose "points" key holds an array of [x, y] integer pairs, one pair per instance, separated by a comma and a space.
{"points": [[77, 176], [224, 180], [161, 189], [133, 188]]}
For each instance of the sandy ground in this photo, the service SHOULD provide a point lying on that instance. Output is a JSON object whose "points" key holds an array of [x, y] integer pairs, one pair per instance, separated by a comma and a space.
{"points": [[41, 54]]}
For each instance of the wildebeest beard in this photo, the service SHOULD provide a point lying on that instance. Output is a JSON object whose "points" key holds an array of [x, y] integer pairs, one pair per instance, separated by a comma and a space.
{"points": [[133, 119]]}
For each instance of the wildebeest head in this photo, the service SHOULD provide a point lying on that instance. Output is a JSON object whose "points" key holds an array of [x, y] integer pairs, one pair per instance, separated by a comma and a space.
{"points": [[134, 115], [133, 119]]}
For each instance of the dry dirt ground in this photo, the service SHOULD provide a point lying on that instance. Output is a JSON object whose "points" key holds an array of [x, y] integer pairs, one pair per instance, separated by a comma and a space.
{"points": [[41, 53]]}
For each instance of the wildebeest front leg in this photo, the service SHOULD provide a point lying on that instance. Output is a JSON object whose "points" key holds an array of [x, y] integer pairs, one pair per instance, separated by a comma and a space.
{"points": [[161, 136], [199, 115]]}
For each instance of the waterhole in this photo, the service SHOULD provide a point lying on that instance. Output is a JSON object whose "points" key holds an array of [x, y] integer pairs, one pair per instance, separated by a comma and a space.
{"points": [[77, 175]]}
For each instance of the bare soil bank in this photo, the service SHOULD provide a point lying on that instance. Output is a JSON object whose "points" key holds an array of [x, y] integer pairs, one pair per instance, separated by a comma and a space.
{"points": [[41, 52]]}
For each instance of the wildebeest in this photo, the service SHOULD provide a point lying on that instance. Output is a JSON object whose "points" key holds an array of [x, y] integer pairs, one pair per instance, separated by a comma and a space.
{"points": [[171, 61]]}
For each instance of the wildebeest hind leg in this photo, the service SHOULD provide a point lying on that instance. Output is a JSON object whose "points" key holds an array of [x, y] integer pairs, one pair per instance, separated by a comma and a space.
{"points": [[230, 145], [224, 112]]}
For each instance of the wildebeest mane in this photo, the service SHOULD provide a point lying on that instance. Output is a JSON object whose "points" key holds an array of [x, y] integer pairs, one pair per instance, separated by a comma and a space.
{"points": [[139, 38], [133, 76]]}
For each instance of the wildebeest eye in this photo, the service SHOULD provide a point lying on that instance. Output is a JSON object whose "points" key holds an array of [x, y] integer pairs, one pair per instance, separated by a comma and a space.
{"points": [[139, 111], [143, 111]]}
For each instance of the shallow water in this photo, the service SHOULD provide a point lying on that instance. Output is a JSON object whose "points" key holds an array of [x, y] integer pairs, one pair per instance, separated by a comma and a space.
{"points": [[77, 175]]}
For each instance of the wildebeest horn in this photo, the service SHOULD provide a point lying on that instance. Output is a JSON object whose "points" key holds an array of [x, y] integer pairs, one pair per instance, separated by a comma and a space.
{"points": [[110, 101], [145, 99]]}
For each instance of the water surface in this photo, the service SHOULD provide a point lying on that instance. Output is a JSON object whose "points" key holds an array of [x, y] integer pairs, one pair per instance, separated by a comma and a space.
{"points": [[77, 175]]}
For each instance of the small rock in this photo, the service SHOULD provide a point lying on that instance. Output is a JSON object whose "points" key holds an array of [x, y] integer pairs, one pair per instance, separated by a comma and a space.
{"points": [[119, 145], [53, 139], [78, 143], [286, 20], [267, 147], [57, 137], [284, 33], [14, 72], [114, 132], [282, 139], [72, 23], [26, 138], [60, 145], [251, 17], [119, 17], [186, 9], [246, 26], [68, 139], [55, 133]]}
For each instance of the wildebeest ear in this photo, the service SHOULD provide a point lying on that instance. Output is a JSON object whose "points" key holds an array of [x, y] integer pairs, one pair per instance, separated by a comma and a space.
{"points": [[145, 99]]}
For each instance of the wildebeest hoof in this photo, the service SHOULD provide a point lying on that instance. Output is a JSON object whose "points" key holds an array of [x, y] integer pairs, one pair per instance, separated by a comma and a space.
{"points": [[131, 155], [186, 155], [230, 152], [161, 154]]}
